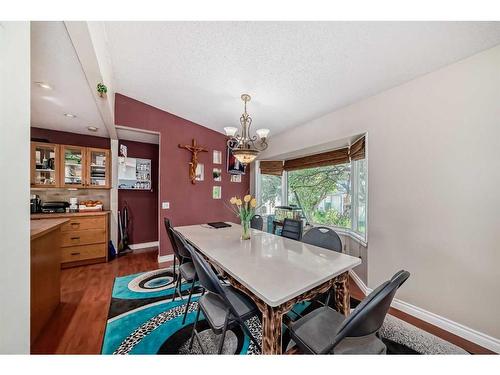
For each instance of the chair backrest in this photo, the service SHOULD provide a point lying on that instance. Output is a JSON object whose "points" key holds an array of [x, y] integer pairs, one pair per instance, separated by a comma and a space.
{"points": [[292, 229], [323, 237], [168, 227], [182, 251], [257, 222], [207, 277], [369, 315]]}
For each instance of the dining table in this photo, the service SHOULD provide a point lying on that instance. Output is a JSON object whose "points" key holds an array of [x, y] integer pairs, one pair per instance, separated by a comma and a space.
{"points": [[274, 271]]}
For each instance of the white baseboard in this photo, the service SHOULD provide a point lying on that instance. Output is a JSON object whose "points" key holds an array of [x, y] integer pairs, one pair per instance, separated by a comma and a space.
{"points": [[165, 258], [144, 245], [458, 329]]}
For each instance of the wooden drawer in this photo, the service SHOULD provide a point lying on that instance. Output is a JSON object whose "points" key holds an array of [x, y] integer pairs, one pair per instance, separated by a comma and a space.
{"points": [[83, 223], [83, 237], [77, 253]]}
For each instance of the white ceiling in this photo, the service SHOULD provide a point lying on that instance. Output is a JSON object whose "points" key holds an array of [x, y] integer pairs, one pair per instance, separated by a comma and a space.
{"points": [[54, 61], [295, 71]]}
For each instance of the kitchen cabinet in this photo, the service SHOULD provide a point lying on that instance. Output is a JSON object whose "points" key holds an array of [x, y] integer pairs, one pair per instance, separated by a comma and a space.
{"points": [[72, 166], [44, 165], [67, 166], [98, 168], [84, 237]]}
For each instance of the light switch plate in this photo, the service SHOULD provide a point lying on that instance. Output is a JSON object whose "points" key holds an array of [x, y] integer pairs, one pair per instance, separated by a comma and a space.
{"points": [[165, 205]]}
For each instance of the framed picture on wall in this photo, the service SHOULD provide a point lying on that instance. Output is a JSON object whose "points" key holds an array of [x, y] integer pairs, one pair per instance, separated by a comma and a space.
{"points": [[217, 157], [216, 192], [233, 165], [236, 178], [217, 174]]}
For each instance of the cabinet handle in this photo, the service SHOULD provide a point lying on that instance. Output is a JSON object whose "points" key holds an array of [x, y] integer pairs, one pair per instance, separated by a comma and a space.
{"points": [[75, 223], [75, 253], [75, 238]]}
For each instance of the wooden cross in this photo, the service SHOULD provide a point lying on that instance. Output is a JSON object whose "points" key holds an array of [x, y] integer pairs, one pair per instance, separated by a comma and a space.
{"points": [[194, 148]]}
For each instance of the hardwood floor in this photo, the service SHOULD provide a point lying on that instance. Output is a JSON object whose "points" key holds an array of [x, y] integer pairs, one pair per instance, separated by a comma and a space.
{"points": [[77, 326]]}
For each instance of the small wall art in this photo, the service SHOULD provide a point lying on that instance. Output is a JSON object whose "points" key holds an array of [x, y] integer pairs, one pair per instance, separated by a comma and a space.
{"points": [[217, 157], [217, 192], [236, 178], [217, 174]]}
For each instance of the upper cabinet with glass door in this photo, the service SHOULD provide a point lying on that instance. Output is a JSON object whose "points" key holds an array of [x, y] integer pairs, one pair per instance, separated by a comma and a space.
{"points": [[44, 165], [98, 168], [72, 166]]}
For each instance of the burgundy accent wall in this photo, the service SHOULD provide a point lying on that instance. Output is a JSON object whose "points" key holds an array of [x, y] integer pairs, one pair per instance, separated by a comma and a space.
{"points": [[65, 138], [142, 204], [189, 204]]}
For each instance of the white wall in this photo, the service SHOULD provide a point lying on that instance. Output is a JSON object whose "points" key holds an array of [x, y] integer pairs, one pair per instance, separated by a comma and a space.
{"points": [[434, 186], [14, 197]]}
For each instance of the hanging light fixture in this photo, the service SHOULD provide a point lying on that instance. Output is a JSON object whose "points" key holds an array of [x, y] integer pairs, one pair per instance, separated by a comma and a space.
{"points": [[244, 147]]}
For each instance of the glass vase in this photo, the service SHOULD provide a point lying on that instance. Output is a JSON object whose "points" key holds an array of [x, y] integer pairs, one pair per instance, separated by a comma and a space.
{"points": [[245, 229]]}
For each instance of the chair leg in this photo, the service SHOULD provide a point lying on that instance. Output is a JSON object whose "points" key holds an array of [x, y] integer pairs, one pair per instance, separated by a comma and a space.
{"points": [[177, 282], [193, 332], [223, 335], [174, 263], [189, 300]]}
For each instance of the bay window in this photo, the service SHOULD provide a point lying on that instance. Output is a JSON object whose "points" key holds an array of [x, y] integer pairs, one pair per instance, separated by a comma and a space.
{"points": [[331, 188]]}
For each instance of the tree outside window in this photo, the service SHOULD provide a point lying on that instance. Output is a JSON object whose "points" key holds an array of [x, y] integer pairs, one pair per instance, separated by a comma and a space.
{"points": [[324, 193]]}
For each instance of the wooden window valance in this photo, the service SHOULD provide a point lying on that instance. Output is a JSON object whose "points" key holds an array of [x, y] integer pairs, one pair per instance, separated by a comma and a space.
{"points": [[272, 167], [357, 150], [339, 156]]}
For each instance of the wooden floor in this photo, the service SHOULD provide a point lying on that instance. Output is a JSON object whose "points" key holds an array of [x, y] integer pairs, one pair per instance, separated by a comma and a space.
{"points": [[78, 325]]}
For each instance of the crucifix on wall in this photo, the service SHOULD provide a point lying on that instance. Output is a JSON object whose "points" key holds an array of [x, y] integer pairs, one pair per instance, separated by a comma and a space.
{"points": [[195, 149]]}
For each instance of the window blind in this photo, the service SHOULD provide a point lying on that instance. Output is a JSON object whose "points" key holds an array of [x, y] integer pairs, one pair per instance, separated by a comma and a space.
{"points": [[357, 150], [272, 167], [339, 156]]}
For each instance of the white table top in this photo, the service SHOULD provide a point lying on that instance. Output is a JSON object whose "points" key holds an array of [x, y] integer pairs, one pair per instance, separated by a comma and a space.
{"points": [[274, 268]]}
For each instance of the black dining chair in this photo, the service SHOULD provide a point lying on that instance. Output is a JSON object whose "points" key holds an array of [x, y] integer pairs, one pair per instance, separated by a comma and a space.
{"points": [[223, 306], [323, 237], [257, 222], [168, 225], [325, 330], [292, 229], [187, 270]]}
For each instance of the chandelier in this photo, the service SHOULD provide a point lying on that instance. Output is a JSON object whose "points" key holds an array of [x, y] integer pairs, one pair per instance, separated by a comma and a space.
{"points": [[244, 147]]}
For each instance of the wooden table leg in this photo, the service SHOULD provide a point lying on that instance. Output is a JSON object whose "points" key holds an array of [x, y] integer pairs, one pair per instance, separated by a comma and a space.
{"points": [[271, 330], [342, 296]]}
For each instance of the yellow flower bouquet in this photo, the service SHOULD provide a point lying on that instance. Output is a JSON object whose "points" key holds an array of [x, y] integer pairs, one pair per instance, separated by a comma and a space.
{"points": [[244, 209]]}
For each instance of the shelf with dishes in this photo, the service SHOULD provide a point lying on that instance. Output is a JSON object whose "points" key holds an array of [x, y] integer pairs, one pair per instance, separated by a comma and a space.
{"points": [[68, 166], [134, 174]]}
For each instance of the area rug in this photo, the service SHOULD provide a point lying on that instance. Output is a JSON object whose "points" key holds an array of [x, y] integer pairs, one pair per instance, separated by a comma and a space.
{"points": [[143, 319]]}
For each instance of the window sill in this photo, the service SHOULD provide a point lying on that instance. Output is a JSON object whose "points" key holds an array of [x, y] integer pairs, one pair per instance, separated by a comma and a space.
{"points": [[343, 231]]}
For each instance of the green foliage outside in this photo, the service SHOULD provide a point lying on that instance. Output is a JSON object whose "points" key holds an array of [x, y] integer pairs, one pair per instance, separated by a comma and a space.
{"points": [[313, 185]]}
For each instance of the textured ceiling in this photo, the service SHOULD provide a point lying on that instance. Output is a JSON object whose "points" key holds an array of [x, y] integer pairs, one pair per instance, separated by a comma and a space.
{"points": [[54, 61], [295, 71]]}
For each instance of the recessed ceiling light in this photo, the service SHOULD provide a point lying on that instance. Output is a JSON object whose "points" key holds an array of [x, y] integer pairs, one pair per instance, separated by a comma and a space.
{"points": [[92, 128], [70, 115], [43, 85]]}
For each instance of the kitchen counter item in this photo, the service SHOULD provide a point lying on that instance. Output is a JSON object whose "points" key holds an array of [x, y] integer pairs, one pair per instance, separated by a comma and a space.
{"points": [[50, 207]]}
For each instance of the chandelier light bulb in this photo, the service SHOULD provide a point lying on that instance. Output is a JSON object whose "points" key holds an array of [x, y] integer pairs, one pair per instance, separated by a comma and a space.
{"points": [[230, 131], [262, 133]]}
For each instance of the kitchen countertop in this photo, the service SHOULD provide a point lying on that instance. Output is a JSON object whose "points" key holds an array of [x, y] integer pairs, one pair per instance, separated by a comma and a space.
{"points": [[38, 228], [68, 214]]}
